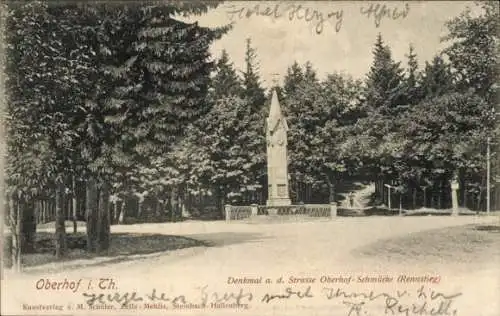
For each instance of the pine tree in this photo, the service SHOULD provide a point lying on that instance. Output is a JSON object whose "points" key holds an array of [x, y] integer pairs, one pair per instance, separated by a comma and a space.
{"points": [[95, 90], [227, 151], [252, 89], [225, 82], [293, 78], [413, 93], [384, 101], [384, 80], [309, 72], [437, 78]]}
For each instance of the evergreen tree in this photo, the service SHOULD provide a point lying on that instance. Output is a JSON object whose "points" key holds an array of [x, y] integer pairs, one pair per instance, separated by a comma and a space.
{"points": [[294, 76], [227, 149], [383, 102], [437, 78], [225, 82], [98, 92], [413, 92], [335, 155], [309, 72], [384, 80], [252, 89]]}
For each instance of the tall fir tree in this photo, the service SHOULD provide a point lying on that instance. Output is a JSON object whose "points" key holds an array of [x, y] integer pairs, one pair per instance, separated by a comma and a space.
{"points": [[384, 80], [437, 78], [252, 88], [111, 87], [413, 93], [226, 82], [384, 101], [294, 76], [309, 72]]}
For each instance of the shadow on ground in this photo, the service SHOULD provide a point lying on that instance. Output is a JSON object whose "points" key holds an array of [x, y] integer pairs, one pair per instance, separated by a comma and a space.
{"points": [[489, 228], [469, 244], [384, 211], [227, 238], [124, 247]]}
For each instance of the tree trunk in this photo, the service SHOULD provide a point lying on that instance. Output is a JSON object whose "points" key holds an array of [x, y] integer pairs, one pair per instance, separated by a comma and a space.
{"points": [[221, 201], [479, 198], [103, 219], [121, 218], [28, 227], [7, 241], [67, 209], [384, 196], [116, 211], [156, 202], [15, 220], [52, 210], [38, 212], [174, 199], [75, 206], [60, 234], [440, 199], [91, 214], [381, 192], [414, 193], [400, 204], [223, 204], [331, 189], [180, 205], [44, 211], [139, 207]]}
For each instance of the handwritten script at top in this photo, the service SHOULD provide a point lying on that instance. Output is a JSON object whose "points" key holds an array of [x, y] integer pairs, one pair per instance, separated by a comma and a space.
{"points": [[375, 11]]}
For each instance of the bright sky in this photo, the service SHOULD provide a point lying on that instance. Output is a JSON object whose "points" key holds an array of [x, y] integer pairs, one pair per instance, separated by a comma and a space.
{"points": [[285, 36]]}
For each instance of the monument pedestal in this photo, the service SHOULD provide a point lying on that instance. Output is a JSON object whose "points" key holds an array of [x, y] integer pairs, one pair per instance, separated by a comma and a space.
{"points": [[279, 202]]}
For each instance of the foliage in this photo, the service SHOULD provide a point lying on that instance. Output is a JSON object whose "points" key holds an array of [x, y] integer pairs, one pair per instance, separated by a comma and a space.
{"points": [[252, 89]]}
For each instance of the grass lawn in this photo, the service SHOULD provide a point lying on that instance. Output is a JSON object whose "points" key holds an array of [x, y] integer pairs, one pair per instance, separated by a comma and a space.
{"points": [[469, 244], [124, 246]]}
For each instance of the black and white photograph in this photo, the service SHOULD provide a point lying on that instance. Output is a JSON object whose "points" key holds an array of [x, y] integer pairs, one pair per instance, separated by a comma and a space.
{"points": [[250, 157]]}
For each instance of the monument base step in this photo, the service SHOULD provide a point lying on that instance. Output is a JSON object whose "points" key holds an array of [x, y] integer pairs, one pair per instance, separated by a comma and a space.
{"points": [[279, 202]]}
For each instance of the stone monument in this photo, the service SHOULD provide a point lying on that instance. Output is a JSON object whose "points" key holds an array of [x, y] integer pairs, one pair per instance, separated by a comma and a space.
{"points": [[277, 158]]}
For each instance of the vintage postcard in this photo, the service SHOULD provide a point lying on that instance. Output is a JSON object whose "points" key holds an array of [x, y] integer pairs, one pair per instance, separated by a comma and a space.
{"points": [[251, 158]]}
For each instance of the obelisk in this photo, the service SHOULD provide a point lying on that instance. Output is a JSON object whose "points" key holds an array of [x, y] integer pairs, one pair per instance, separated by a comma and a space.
{"points": [[277, 158]]}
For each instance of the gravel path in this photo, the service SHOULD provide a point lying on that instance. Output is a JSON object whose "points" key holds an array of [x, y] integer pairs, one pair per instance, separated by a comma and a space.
{"points": [[300, 250]]}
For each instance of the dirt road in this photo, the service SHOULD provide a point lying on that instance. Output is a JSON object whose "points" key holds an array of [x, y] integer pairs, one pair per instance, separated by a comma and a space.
{"points": [[297, 252]]}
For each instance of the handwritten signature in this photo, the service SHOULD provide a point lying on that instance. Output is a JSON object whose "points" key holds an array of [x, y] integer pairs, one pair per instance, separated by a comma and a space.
{"points": [[301, 12], [424, 302]]}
